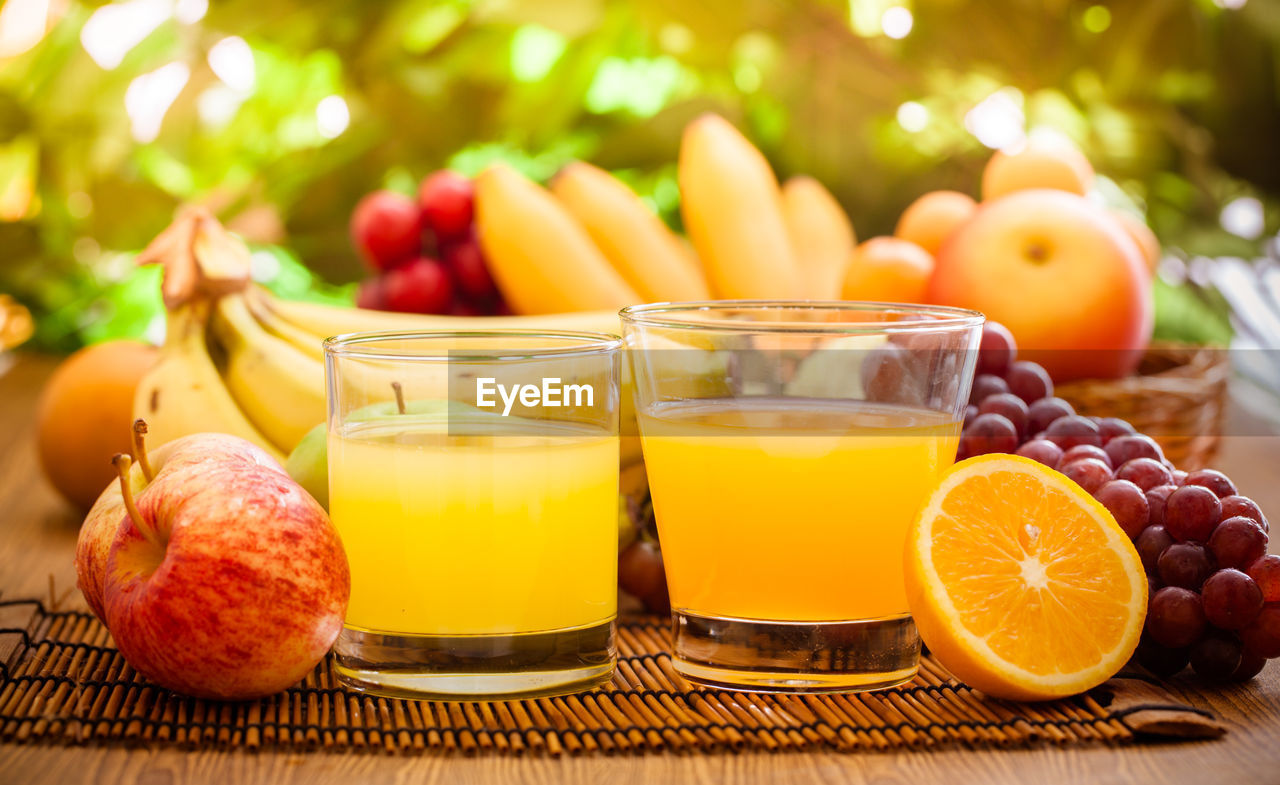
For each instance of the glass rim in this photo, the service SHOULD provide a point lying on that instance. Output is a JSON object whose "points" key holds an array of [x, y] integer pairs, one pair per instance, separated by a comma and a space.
{"points": [[582, 343], [930, 318]]}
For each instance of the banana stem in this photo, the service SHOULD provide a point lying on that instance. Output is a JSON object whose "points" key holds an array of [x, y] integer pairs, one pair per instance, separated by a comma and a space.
{"points": [[399, 391], [140, 448], [122, 462]]}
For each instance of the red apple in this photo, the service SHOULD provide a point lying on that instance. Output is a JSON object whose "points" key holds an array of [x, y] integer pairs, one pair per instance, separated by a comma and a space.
{"points": [[386, 228], [1060, 273], [217, 575]]}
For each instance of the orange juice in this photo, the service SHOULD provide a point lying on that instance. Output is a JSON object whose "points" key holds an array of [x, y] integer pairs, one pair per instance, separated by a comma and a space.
{"points": [[790, 509], [511, 532]]}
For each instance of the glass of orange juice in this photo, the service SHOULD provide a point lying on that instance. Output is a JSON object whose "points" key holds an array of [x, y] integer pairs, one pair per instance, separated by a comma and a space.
{"points": [[788, 446], [474, 480]]}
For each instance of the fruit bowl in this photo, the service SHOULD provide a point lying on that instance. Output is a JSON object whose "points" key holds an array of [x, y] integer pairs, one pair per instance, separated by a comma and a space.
{"points": [[1178, 397]]}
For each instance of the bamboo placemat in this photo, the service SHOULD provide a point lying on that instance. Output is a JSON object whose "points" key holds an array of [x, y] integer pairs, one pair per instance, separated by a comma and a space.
{"points": [[61, 681]]}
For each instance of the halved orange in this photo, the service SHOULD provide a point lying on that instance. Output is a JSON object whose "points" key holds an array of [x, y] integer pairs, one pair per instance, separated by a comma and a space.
{"points": [[1021, 583]]}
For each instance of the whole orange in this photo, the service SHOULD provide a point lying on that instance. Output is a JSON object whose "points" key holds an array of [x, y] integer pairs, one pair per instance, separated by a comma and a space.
{"points": [[933, 217], [1060, 273], [85, 416], [1061, 167], [888, 269]]}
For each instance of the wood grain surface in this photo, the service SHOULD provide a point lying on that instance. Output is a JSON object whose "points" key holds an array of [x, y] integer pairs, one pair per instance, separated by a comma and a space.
{"points": [[37, 538]]}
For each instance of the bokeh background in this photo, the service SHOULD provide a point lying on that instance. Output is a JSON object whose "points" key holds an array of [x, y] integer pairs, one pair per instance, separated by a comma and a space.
{"points": [[281, 114]]}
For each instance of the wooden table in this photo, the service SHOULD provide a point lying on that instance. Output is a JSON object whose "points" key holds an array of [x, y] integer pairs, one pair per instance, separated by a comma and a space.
{"points": [[38, 540]]}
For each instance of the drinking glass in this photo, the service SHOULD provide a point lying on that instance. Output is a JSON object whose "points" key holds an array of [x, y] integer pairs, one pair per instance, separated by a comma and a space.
{"points": [[473, 477], [789, 445]]}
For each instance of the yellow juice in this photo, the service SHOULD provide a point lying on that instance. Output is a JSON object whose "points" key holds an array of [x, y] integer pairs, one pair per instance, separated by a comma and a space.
{"points": [[510, 532], [790, 509]]}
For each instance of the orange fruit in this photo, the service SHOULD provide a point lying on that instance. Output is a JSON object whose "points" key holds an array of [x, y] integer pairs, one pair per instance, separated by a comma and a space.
{"points": [[85, 416], [1060, 166], [1021, 583], [888, 269], [933, 217]]}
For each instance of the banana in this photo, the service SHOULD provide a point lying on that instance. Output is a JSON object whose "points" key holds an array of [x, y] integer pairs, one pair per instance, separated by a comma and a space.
{"points": [[321, 321], [306, 342], [634, 240], [541, 257], [733, 212], [183, 393], [280, 389], [822, 237]]}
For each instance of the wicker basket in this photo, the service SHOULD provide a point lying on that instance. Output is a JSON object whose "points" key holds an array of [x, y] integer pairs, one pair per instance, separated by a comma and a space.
{"points": [[1178, 397]]}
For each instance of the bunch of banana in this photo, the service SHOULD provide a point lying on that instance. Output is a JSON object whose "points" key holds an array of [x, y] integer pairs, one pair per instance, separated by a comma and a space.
{"points": [[238, 360], [589, 243]]}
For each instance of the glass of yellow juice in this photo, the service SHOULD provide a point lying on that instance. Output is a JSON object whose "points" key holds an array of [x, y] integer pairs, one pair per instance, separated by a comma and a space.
{"points": [[474, 480], [789, 445]]}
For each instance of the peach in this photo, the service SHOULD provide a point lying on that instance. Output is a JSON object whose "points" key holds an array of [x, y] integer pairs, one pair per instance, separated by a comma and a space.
{"points": [[930, 219], [1060, 166], [1142, 235], [888, 269], [85, 416], [1060, 273]]}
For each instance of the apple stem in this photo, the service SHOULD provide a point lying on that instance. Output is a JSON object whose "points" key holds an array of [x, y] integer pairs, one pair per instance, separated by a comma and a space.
{"points": [[399, 391], [140, 448], [122, 462]]}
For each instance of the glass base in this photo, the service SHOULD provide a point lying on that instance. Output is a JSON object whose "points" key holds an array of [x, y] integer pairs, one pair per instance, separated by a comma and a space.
{"points": [[798, 657], [476, 667]]}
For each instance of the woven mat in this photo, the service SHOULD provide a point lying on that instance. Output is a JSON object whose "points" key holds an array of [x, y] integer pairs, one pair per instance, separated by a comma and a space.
{"points": [[61, 681]]}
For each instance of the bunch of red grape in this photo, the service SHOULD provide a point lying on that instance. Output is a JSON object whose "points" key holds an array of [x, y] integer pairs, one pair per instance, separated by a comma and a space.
{"points": [[1214, 597], [424, 253]]}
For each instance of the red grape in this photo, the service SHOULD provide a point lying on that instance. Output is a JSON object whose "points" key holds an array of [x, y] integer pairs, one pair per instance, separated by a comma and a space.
{"points": [[1044, 411], [1086, 451], [1029, 381], [1184, 564], [370, 294], [422, 286], [997, 350], [1009, 406], [1179, 477], [1237, 542], [1244, 507], [1160, 659], [1251, 664], [985, 385], [1150, 544], [1266, 573], [970, 411], [1262, 636], [1123, 449], [1111, 427], [1175, 617], [1069, 431], [1231, 599], [386, 229], [1144, 473], [447, 200], [1215, 481], [469, 269], [1042, 450], [990, 433], [1191, 512], [1127, 503], [641, 574], [1216, 656], [1156, 499], [1088, 473]]}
